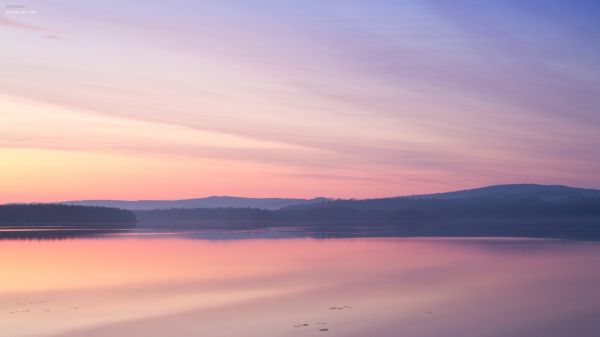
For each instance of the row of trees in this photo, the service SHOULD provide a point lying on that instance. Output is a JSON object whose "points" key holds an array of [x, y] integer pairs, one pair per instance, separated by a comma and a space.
{"points": [[55, 214], [391, 211]]}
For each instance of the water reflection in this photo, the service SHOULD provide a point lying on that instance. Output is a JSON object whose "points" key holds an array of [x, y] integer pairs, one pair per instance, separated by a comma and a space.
{"points": [[164, 284], [57, 233], [193, 232], [240, 231]]}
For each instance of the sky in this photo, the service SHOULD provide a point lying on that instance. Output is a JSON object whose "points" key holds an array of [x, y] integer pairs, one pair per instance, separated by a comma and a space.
{"points": [[342, 98]]}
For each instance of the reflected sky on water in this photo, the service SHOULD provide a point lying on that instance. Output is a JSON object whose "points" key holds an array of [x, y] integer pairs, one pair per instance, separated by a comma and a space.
{"points": [[146, 283]]}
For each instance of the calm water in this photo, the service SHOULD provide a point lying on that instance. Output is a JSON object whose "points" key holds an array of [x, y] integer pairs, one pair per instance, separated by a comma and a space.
{"points": [[173, 284]]}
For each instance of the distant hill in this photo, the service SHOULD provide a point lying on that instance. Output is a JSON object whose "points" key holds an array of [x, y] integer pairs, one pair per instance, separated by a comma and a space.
{"points": [[508, 197], [501, 210], [208, 202], [505, 210], [546, 192]]}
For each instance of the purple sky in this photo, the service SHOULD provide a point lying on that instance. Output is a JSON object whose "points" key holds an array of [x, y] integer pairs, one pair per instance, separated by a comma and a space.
{"points": [[134, 100]]}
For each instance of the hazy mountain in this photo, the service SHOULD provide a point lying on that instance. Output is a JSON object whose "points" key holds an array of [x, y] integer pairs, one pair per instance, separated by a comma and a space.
{"points": [[509, 197], [209, 202], [512, 191], [505, 210], [502, 210], [546, 192]]}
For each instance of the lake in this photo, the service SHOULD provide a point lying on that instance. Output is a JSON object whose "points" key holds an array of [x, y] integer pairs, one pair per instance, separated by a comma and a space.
{"points": [[257, 283]]}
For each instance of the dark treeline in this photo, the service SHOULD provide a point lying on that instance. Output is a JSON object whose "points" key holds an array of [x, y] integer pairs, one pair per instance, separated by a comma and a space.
{"points": [[224, 214], [392, 211], [574, 218], [399, 209], [54, 214], [254, 216]]}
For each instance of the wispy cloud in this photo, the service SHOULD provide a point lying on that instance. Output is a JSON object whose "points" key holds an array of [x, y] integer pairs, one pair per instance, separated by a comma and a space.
{"points": [[6, 22], [18, 25]]}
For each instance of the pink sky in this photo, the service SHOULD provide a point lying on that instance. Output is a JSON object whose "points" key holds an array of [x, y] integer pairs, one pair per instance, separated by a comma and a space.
{"points": [[338, 99]]}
